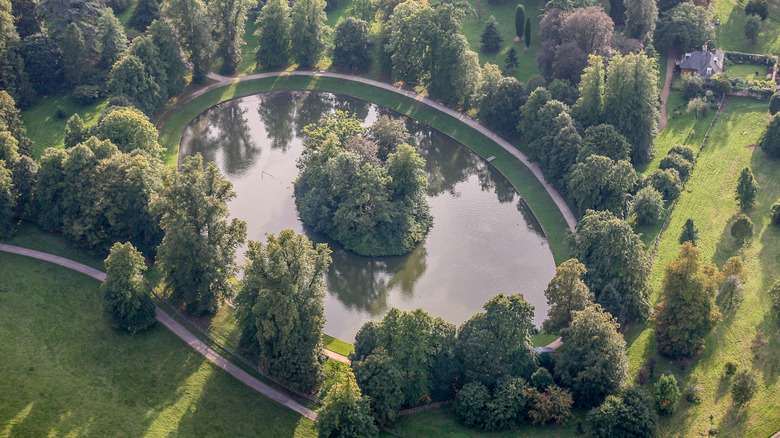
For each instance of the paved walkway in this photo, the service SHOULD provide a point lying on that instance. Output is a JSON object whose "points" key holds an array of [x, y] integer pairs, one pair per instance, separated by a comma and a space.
{"points": [[180, 331], [671, 58], [222, 81]]}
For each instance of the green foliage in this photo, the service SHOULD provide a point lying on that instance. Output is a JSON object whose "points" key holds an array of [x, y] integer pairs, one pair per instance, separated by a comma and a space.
{"points": [[589, 109], [614, 256], [504, 408], [592, 360], [686, 26], [541, 379], [566, 293], [686, 152], [42, 63], [129, 78], [307, 41], [491, 39], [7, 200], [520, 20], [9, 148], [742, 229], [351, 43], [499, 106], [197, 254], [388, 133], [552, 405], [496, 343], [774, 104], [720, 84], [381, 380], [694, 394], [744, 387], [370, 208], [689, 233], [169, 55], [617, 11], [273, 34], [628, 415], [692, 86], [599, 183], [774, 212], [145, 50], [641, 16], [471, 405], [527, 29], [688, 312], [27, 17], [752, 28], [648, 206], [127, 301], [511, 62], [603, 140], [75, 58], [363, 10], [10, 121], [129, 130], [667, 394], [228, 18], [631, 94], [678, 163], [194, 29], [75, 132], [747, 188], [667, 182], [770, 140], [774, 294], [24, 177], [557, 150], [346, 413], [49, 189], [145, 12], [757, 7], [113, 41], [280, 307]]}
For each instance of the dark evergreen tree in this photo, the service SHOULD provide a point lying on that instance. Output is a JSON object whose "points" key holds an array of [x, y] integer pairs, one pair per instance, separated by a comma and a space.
{"points": [[11, 121], [747, 188], [27, 17], [757, 7], [75, 132], [520, 20], [113, 41], [617, 12], [42, 63], [145, 50], [165, 41], [75, 58], [527, 32], [25, 173], [774, 104], [346, 413], [145, 12], [511, 61]]}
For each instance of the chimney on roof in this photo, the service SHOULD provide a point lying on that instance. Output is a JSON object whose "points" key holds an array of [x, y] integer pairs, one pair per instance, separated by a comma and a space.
{"points": [[704, 48]]}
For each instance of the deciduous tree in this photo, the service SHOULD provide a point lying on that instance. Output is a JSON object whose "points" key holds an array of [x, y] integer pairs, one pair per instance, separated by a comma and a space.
{"points": [[648, 206], [194, 29], [280, 307], [688, 312], [126, 299], [589, 109], [641, 16], [170, 56], [351, 43], [228, 18], [742, 229], [592, 360], [628, 415], [25, 174], [75, 58], [197, 254], [599, 183], [129, 77], [566, 293], [346, 412], [273, 34], [747, 188], [7, 200], [686, 26], [129, 130], [308, 41]]}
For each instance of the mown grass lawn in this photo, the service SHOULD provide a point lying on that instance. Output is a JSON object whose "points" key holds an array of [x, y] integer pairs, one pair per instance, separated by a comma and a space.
{"points": [[731, 32], [66, 371], [709, 201]]}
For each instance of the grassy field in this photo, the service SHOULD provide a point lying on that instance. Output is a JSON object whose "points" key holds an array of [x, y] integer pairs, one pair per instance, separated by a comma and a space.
{"points": [[731, 32], [746, 71], [709, 201], [519, 175], [67, 372]]}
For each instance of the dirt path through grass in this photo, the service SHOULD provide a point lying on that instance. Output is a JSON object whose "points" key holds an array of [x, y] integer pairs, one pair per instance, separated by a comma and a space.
{"points": [[179, 331]]}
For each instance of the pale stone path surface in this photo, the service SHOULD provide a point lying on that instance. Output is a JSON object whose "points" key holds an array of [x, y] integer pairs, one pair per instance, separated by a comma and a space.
{"points": [[222, 81], [671, 58], [179, 331]]}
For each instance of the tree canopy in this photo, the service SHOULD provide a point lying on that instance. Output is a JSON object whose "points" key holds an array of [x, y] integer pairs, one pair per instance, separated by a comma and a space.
{"points": [[566, 293], [127, 300]]}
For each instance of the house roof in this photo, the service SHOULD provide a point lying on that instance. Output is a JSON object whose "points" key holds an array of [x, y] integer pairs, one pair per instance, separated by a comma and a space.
{"points": [[706, 63]]}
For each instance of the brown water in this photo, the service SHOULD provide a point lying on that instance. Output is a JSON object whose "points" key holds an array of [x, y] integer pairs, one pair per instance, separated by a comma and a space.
{"points": [[484, 240]]}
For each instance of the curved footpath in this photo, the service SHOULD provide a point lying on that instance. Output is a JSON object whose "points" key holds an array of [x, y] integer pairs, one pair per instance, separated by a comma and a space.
{"points": [[222, 81], [179, 331]]}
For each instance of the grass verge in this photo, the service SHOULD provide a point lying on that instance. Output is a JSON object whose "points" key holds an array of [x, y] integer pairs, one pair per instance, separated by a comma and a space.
{"points": [[69, 373], [709, 201]]}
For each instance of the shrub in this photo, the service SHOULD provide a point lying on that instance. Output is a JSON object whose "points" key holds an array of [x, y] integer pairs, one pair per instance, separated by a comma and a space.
{"points": [[774, 212], [60, 112], [677, 162], [667, 394], [691, 86], [686, 152], [552, 405], [471, 405], [730, 368], [774, 293], [86, 94], [774, 104], [744, 387], [541, 378], [742, 229], [694, 394], [752, 28], [667, 182], [648, 206]]}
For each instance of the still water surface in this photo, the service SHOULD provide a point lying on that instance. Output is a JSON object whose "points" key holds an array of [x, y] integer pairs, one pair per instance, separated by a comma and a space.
{"points": [[484, 238]]}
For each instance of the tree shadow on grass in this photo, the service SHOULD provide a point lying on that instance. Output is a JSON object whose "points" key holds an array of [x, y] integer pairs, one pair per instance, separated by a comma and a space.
{"points": [[735, 420]]}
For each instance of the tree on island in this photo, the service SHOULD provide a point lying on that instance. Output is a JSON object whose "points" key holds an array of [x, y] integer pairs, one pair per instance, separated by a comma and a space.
{"points": [[126, 298], [370, 206], [197, 254], [280, 307]]}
